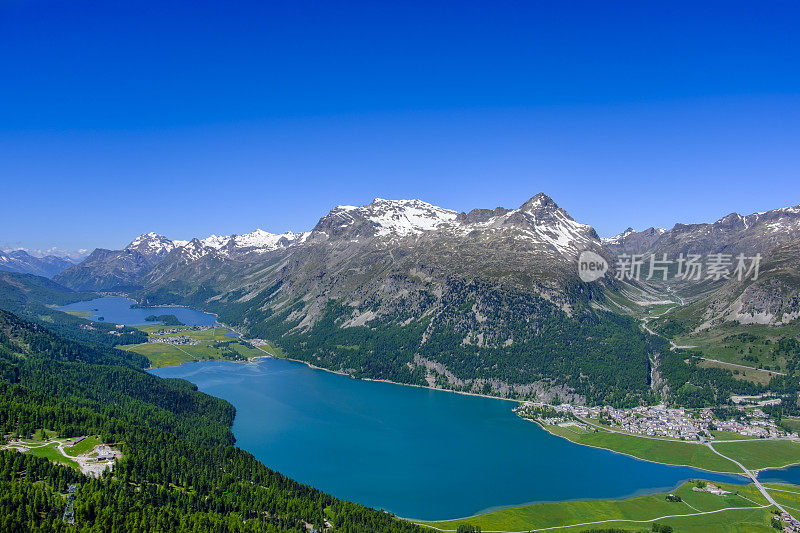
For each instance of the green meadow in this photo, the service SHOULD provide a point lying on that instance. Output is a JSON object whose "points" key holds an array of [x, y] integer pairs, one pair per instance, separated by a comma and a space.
{"points": [[211, 344], [635, 514], [673, 452]]}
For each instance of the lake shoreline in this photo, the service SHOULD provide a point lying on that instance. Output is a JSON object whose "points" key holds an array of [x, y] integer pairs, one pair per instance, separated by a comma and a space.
{"points": [[268, 355], [700, 473]]}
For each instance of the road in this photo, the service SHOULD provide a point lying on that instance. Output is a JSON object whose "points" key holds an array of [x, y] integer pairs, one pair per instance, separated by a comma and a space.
{"points": [[673, 347], [757, 483], [630, 521], [742, 366]]}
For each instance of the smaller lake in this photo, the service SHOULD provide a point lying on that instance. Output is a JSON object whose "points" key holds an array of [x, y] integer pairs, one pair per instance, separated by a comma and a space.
{"points": [[118, 310]]}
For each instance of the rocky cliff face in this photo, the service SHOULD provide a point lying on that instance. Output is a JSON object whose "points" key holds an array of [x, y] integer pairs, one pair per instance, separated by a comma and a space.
{"points": [[773, 298]]}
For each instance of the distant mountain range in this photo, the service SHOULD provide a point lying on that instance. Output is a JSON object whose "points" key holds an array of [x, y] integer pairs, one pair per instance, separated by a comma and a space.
{"points": [[485, 301], [25, 263], [774, 298]]}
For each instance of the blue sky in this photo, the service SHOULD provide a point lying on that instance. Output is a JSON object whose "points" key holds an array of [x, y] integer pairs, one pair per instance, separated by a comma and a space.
{"points": [[216, 117]]}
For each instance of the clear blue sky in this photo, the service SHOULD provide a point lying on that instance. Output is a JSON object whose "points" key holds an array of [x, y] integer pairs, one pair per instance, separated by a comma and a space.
{"points": [[193, 118]]}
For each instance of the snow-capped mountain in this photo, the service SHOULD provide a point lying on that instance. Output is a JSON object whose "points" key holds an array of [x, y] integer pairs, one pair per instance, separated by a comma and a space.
{"points": [[214, 241], [255, 241], [540, 220], [194, 250], [265, 241], [538, 227], [152, 245], [383, 218], [25, 263]]}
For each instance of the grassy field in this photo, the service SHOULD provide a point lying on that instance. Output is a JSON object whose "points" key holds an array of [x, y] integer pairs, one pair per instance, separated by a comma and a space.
{"points": [[748, 345], [786, 495], [643, 510], [730, 435], [752, 453], [758, 453], [50, 453], [754, 375], [793, 423], [213, 344], [83, 446], [36, 437], [670, 452]]}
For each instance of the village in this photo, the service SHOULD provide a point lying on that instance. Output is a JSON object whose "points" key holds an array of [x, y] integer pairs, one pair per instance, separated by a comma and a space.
{"points": [[659, 420], [177, 340], [178, 329]]}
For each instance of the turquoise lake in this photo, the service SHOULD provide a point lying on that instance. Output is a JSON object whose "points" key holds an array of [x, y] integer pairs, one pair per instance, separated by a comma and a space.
{"points": [[416, 452]]}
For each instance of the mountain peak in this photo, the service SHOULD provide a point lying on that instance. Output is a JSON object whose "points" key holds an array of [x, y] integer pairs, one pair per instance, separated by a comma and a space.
{"points": [[151, 245], [384, 218], [538, 202]]}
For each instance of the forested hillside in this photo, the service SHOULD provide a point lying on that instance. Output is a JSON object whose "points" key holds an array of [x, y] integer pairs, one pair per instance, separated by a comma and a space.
{"points": [[33, 297], [179, 471], [473, 337]]}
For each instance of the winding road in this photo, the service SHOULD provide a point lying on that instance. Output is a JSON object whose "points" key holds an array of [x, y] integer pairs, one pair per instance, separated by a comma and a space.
{"points": [[756, 482]]}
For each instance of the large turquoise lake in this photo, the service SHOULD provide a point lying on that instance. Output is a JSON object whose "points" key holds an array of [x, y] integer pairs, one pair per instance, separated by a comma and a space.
{"points": [[416, 452]]}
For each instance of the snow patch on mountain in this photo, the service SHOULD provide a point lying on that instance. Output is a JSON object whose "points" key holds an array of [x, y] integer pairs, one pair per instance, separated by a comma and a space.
{"points": [[265, 241], [194, 250], [152, 245], [399, 218], [215, 241]]}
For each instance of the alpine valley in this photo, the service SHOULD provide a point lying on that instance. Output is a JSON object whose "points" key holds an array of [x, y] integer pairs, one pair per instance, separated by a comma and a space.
{"points": [[487, 301], [106, 379]]}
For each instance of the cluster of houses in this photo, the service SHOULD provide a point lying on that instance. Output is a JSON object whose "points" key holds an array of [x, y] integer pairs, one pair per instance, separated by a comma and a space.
{"points": [[178, 340], [258, 342], [710, 488], [793, 526], [106, 453], [663, 421]]}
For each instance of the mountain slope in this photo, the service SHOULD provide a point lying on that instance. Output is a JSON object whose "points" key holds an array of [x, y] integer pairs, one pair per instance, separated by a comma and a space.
{"points": [[179, 470], [484, 301], [417, 291], [732, 234], [772, 299]]}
